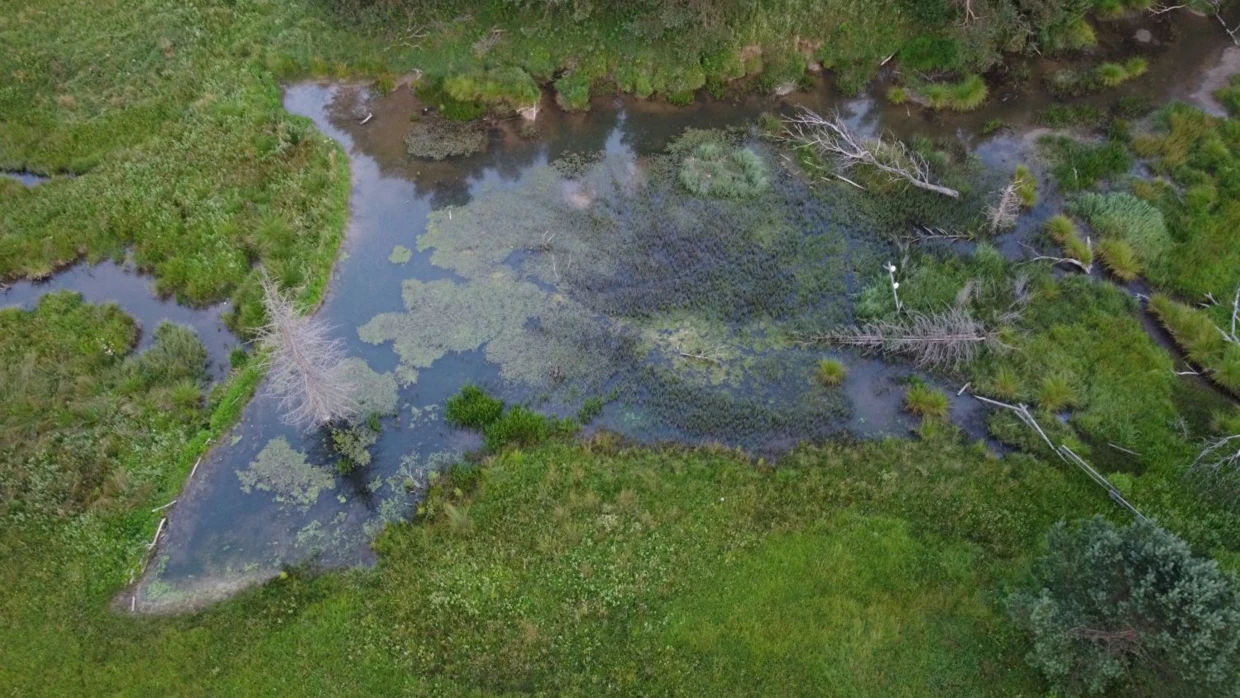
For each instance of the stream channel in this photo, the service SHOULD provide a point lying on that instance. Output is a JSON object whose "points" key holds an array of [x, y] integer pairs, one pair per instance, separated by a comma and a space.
{"points": [[569, 265]]}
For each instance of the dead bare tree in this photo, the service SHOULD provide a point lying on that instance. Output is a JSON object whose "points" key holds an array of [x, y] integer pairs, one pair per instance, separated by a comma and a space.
{"points": [[1219, 462], [831, 138], [949, 338], [1070, 261], [1003, 213], [303, 362]]}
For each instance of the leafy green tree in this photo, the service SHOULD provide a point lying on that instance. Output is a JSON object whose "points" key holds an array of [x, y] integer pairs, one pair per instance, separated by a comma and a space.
{"points": [[1131, 608]]}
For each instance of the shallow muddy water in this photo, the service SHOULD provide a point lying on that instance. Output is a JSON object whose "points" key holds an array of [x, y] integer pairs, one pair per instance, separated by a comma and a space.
{"points": [[566, 266]]}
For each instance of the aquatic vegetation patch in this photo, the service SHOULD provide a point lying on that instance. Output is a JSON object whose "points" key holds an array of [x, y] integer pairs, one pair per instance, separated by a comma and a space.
{"points": [[400, 255], [437, 139], [286, 474], [473, 408], [374, 392], [1079, 165]]}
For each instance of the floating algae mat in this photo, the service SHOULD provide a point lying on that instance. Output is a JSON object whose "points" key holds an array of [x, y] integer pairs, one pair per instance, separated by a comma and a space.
{"points": [[670, 282]]}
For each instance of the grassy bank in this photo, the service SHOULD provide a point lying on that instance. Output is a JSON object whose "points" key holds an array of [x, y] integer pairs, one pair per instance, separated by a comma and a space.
{"points": [[870, 570]]}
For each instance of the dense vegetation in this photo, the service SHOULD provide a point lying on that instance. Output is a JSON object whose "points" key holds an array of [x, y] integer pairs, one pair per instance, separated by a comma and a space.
{"points": [[586, 566]]}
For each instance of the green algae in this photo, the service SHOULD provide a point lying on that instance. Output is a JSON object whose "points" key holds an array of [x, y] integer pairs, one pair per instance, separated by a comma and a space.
{"points": [[400, 255], [285, 472], [374, 392]]}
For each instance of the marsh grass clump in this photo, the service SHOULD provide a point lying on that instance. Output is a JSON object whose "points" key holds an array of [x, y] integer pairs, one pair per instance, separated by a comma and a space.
{"points": [[1119, 258], [472, 408], [1206, 344], [1125, 217], [714, 171], [1063, 231], [897, 94], [1056, 392], [437, 139], [1026, 186], [966, 95], [1079, 166], [1111, 74], [924, 401], [831, 372]]}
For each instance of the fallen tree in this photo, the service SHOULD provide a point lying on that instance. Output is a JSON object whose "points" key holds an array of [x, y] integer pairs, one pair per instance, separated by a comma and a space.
{"points": [[836, 143]]}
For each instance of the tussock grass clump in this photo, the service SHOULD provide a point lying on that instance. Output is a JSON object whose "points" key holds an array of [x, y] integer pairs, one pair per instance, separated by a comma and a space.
{"points": [[712, 171], [472, 408], [1061, 229], [897, 95], [1111, 74], [1119, 258], [1125, 217], [924, 401], [1026, 186], [1057, 391], [831, 372], [966, 95], [1201, 339]]}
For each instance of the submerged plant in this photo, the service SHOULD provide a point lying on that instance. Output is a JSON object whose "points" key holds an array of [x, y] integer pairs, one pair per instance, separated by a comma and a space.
{"points": [[285, 472], [436, 139]]}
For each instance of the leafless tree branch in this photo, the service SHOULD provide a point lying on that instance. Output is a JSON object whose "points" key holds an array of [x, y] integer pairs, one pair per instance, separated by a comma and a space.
{"points": [[948, 338], [836, 142], [303, 362], [1002, 215]]}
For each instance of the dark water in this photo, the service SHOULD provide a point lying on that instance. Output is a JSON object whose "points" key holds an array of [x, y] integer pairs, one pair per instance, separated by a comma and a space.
{"points": [[219, 536]]}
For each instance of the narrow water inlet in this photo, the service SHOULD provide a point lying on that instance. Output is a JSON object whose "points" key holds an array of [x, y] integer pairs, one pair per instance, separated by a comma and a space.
{"points": [[109, 282]]}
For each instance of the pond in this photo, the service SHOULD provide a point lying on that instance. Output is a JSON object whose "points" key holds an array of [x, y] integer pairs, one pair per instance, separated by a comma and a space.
{"points": [[570, 265]]}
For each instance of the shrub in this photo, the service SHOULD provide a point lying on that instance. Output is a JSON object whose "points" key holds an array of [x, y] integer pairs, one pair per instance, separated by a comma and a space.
{"points": [[1119, 258], [712, 171], [831, 372], [1130, 609], [472, 408], [924, 401]]}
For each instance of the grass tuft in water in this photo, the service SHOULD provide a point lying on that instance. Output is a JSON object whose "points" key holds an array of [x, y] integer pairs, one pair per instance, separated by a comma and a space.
{"points": [[831, 372]]}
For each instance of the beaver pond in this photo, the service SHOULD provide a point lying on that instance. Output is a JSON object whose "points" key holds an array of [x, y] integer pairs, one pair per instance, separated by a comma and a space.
{"points": [[651, 269]]}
